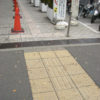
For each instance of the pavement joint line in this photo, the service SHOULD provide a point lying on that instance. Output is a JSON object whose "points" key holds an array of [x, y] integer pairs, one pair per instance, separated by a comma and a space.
{"points": [[55, 77], [89, 27], [71, 78], [43, 92], [25, 21], [75, 74], [32, 10], [50, 78]]}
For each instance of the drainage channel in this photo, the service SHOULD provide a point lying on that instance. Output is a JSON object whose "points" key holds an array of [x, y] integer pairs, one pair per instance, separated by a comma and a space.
{"points": [[48, 43]]}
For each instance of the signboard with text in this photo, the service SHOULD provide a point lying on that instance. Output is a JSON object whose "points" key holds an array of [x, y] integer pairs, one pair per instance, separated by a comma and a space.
{"points": [[59, 9]]}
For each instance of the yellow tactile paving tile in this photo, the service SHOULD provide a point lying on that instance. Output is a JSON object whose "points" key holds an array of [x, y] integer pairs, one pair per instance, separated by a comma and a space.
{"points": [[61, 83], [56, 71], [51, 62], [68, 61], [48, 54], [41, 85], [56, 75], [62, 53], [32, 55], [74, 69], [37, 73], [90, 92], [70, 94], [34, 64], [82, 80], [45, 96]]}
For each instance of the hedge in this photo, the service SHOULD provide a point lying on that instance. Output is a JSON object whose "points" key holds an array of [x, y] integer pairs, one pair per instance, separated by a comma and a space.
{"points": [[49, 2]]}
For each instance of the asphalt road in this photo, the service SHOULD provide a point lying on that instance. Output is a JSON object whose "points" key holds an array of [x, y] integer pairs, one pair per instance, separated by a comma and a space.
{"points": [[14, 82], [89, 58]]}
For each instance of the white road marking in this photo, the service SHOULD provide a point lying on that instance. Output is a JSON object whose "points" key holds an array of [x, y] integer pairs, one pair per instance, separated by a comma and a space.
{"points": [[89, 27]]}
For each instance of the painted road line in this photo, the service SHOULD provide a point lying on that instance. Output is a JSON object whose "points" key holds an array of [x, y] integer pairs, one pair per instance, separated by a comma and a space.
{"points": [[88, 27], [57, 75]]}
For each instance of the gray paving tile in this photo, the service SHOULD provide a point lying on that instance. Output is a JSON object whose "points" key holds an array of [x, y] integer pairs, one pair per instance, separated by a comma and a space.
{"points": [[37, 28]]}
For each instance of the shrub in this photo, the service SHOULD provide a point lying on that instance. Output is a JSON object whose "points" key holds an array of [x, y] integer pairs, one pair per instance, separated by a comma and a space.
{"points": [[50, 3], [42, 1], [46, 2]]}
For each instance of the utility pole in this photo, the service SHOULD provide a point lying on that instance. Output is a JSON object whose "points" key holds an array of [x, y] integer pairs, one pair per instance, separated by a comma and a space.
{"points": [[69, 23]]}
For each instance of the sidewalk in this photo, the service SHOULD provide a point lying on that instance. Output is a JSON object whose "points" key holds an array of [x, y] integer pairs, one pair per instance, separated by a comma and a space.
{"points": [[47, 73], [36, 25]]}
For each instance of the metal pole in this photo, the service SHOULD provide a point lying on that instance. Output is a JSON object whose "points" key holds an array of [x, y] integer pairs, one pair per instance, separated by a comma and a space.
{"points": [[69, 24]]}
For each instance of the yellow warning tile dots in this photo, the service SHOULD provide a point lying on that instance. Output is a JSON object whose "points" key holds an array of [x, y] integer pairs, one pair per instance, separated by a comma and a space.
{"points": [[48, 54], [74, 69], [90, 92], [69, 94], [31, 64], [45, 96], [56, 71], [41, 85], [82, 80], [56, 75], [61, 83], [62, 53], [37, 73], [32, 55], [68, 61], [51, 62]]}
